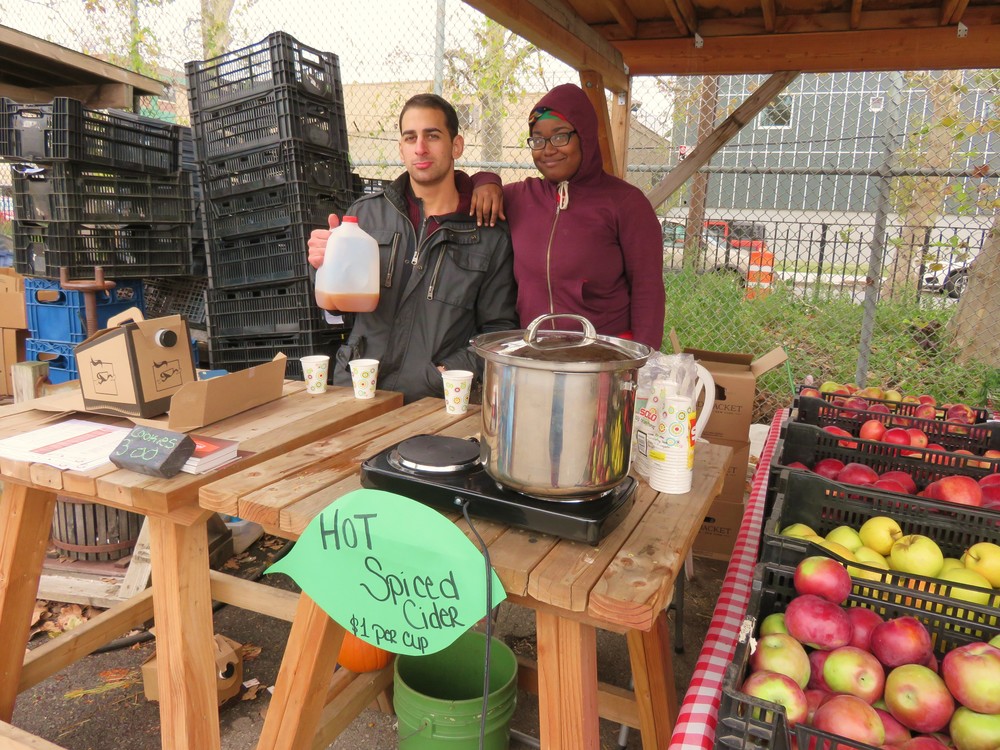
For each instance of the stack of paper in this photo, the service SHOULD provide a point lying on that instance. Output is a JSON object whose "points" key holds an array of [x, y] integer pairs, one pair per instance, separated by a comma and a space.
{"points": [[209, 453], [75, 444]]}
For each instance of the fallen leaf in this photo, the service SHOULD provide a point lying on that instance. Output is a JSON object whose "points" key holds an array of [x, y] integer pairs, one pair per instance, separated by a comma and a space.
{"points": [[251, 693], [41, 608], [107, 687], [114, 675], [231, 564], [249, 651]]}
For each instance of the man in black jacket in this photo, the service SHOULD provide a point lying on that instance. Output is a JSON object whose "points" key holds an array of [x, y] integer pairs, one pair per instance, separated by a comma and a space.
{"points": [[444, 279]]}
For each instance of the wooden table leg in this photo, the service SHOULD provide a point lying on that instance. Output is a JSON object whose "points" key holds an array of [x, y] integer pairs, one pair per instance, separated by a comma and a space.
{"points": [[25, 521], [182, 605], [301, 688], [567, 684], [653, 674]]}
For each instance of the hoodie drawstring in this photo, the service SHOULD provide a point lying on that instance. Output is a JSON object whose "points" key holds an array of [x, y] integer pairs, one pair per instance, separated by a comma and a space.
{"points": [[563, 192]]}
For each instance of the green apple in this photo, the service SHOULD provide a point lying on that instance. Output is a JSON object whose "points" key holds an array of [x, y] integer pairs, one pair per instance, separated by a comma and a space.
{"points": [[893, 395], [995, 640], [798, 530], [984, 558], [917, 554], [880, 533], [973, 731], [773, 623], [868, 556], [830, 386], [966, 577], [845, 536]]}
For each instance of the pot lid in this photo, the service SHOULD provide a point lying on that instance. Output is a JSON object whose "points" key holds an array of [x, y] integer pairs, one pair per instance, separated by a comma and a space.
{"points": [[580, 351]]}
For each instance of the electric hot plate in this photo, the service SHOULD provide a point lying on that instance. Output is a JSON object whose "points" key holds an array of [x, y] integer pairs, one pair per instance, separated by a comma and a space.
{"points": [[443, 472]]}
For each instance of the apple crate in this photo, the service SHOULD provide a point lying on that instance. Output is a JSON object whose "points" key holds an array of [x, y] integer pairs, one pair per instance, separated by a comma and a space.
{"points": [[808, 444], [896, 407], [804, 497], [747, 722], [978, 438]]}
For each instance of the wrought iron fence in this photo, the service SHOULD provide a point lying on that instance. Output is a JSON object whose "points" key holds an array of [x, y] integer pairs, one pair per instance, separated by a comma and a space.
{"points": [[855, 215]]}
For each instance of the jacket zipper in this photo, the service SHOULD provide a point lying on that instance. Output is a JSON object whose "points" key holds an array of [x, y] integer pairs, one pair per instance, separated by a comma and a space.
{"points": [[440, 261], [548, 262], [394, 250]]}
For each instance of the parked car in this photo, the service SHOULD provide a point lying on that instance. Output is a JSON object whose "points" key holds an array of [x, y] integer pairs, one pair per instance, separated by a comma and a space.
{"points": [[715, 253], [952, 280]]}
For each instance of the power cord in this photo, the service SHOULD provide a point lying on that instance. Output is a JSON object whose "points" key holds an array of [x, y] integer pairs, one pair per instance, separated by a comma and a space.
{"points": [[489, 621]]}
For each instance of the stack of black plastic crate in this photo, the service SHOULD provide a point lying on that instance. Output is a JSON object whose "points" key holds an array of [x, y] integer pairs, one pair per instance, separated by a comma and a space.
{"points": [[91, 189], [271, 137]]}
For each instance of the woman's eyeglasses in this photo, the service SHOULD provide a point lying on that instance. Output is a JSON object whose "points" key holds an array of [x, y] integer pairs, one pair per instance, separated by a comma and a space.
{"points": [[537, 143]]}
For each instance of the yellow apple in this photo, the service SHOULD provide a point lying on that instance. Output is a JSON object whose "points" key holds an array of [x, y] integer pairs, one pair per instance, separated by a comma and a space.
{"points": [[984, 558], [773, 623], [967, 577], [845, 536], [951, 563], [916, 554], [879, 533], [798, 530], [868, 556], [838, 549]]}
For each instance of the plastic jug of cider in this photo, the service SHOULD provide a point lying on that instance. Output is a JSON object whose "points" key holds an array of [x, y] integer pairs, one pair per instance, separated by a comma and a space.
{"points": [[348, 279]]}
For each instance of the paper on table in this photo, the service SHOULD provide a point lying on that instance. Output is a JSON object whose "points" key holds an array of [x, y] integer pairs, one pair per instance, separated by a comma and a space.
{"points": [[74, 444]]}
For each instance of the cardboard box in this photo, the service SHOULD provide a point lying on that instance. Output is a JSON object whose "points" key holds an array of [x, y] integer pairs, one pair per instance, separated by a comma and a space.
{"points": [[735, 378], [736, 484], [11, 352], [229, 671], [13, 310], [133, 367], [719, 530], [200, 403]]}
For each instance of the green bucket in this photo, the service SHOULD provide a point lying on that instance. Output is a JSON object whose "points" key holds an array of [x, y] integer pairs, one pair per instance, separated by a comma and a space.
{"points": [[439, 697]]}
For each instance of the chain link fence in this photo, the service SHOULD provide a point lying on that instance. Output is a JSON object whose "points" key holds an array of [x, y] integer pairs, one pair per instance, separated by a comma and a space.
{"points": [[853, 221]]}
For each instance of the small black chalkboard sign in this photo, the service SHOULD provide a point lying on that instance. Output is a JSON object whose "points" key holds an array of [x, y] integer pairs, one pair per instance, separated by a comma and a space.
{"points": [[158, 453]]}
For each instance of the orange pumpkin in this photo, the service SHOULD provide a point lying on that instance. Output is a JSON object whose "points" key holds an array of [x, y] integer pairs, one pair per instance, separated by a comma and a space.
{"points": [[359, 656]]}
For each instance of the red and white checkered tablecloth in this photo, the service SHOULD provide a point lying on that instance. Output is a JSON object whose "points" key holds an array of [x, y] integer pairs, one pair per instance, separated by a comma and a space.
{"points": [[695, 729]]}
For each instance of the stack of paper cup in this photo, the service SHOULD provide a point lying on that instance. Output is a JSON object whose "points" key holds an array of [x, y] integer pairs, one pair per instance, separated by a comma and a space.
{"points": [[671, 457]]}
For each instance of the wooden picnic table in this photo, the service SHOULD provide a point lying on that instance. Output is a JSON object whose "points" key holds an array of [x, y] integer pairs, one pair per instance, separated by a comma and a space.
{"points": [[181, 597], [623, 585]]}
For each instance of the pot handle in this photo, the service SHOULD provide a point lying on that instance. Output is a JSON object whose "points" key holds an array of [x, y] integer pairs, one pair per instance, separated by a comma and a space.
{"points": [[588, 335]]}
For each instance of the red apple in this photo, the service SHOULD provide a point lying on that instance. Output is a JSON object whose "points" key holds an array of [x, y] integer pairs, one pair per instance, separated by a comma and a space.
{"points": [[850, 717], [931, 662], [828, 467], [840, 432], [823, 577], [923, 743], [889, 485], [879, 409], [918, 438], [960, 413], [918, 698], [779, 652], [972, 674], [925, 411], [780, 689], [895, 733], [855, 473], [814, 697], [974, 731], [989, 480], [797, 465], [991, 497], [925, 399], [853, 671], [896, 436], [811, 393], [816, 661], [863, 621], [902, 478], [957, 488], [873, 429], [901, 640], [816, 622]]}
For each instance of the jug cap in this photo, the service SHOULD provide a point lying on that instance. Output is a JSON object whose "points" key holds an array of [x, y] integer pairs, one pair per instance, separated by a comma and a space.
{"points": [[349, 220]]}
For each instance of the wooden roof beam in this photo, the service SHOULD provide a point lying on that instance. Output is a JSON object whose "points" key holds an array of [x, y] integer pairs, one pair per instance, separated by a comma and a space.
{"points": [[557, 29], [679, 21], [769, 13], [930, 48], [97, 96], [952, 11], [623, 16], [855, 21], [707, 147]]}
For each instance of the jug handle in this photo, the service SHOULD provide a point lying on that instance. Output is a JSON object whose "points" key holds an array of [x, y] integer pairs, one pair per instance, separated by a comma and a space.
{"points": [[706, 381], [588, 335]]}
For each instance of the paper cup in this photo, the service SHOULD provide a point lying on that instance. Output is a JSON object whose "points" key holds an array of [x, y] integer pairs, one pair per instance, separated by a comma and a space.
{"points": [[457, 387], [364, 373], [314, 372]]}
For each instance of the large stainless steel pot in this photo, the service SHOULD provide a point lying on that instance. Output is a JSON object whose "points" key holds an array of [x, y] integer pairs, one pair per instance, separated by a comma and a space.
{"points": [[557, 408]]}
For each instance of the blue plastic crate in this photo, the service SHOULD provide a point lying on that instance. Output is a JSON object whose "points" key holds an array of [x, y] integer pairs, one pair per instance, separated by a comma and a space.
{"points": [[58, 354], [55, 314]]}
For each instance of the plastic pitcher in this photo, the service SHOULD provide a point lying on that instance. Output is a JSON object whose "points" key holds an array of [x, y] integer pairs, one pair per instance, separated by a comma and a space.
{"points": [[348, 280]]}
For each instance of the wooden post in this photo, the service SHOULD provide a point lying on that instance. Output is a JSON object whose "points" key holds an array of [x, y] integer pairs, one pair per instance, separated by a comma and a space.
{"points": [[593, 85], [29, 379]]}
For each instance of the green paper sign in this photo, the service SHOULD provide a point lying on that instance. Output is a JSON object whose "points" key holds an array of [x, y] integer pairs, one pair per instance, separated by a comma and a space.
{"points": [[396, 573]]}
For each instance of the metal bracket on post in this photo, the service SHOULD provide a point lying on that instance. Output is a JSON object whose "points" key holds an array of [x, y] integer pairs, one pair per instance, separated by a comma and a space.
{"points": [[698, 41], [963, 30]]}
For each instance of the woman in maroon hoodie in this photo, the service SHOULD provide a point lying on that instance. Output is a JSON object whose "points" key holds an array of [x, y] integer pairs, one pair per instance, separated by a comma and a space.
{"points": [[585, 242]]}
